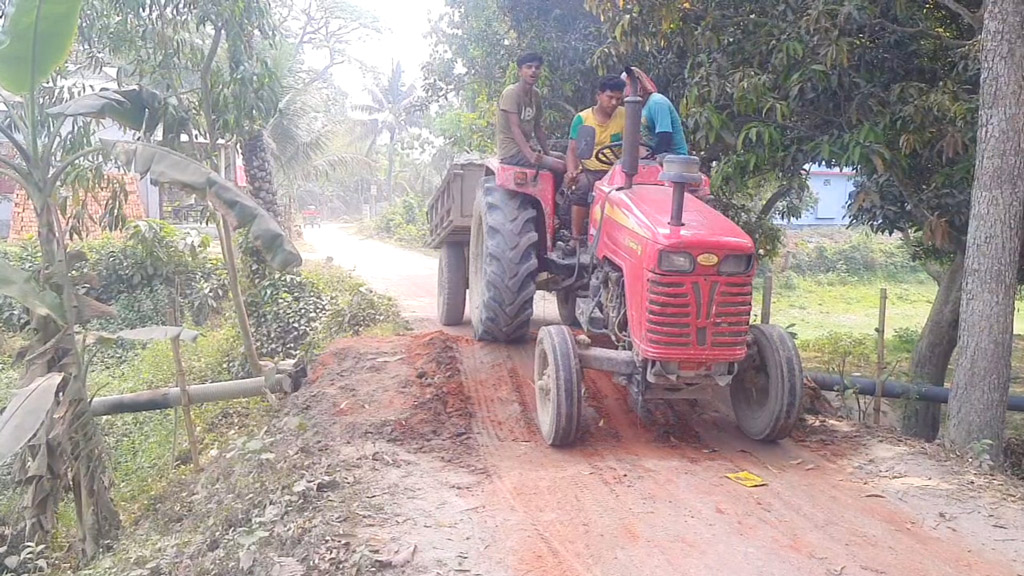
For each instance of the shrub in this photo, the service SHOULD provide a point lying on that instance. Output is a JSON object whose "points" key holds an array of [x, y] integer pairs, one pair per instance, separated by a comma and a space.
{"points": [[405, 221], [856, 255]]}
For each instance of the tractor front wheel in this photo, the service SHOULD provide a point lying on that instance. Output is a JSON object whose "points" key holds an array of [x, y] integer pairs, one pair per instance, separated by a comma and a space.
{"points": [[502, 263], [558, 379], [766, 391], [452, 282]]}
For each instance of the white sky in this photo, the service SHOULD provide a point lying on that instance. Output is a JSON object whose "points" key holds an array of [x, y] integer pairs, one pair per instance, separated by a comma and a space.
{"points": [[404, 23]]}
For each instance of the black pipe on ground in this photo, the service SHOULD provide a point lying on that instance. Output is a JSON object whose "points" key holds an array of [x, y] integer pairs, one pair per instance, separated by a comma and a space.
{"points": [[893, 389]]}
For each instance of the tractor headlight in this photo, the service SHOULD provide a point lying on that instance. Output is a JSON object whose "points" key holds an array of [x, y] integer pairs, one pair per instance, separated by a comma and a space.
{"points": [[675, 262], [736, 264]]}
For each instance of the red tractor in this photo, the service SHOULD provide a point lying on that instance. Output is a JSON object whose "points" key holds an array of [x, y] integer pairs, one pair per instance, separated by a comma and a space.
{"points": [[665, 278]]}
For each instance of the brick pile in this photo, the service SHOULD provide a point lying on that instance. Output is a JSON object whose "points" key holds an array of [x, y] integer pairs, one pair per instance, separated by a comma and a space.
{"points": [[23, 219]]}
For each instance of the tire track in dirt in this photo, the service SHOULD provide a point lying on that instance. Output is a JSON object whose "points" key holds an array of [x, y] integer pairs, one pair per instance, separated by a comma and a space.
{"points": [[619, 504]]}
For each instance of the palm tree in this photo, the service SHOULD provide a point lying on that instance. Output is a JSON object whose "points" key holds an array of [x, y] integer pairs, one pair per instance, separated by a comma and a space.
{"points": [[393, 110], [312, 139]]}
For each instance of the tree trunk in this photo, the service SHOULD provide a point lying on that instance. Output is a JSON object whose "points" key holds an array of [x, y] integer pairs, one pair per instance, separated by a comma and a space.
{"points": [[391, 166], [930, 361], [981, 384], [259, 171]]}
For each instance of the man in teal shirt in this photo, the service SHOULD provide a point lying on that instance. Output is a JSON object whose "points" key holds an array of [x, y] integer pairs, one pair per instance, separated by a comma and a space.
{"points": [[660, 123]]}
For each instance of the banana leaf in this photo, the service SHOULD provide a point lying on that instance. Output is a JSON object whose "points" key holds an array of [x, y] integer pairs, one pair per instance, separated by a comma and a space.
{"points": [[36, 39], [240, 210], [26, 412], [151, 333], [22, 286], [138, 108]]}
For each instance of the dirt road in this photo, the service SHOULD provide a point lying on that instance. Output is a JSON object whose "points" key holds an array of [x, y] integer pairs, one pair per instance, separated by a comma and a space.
{"points": [[633, 500]]}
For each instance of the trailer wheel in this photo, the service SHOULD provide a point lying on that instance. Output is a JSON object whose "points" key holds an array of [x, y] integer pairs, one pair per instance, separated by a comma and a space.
{"points": [[766, 391], [566, 300], [451, 284], [558, 379], [502, 264]]}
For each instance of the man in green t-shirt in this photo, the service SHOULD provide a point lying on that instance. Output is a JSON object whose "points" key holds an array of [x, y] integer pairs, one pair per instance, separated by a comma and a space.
{"points": [[608, 120], [519, 120]]}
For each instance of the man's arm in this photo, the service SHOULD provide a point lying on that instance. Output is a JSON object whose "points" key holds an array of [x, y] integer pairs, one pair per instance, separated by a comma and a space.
{"points": [[572, 159]]}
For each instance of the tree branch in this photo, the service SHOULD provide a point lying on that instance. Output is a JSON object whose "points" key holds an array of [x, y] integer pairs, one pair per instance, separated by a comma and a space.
{"points": [[22, 151], [922, 31], [973, 19], [211, 130], [15, 172]]}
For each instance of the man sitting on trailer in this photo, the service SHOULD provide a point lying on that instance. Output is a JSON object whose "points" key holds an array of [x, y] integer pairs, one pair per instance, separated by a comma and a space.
{"points": [[519, 120], [608, 120]]}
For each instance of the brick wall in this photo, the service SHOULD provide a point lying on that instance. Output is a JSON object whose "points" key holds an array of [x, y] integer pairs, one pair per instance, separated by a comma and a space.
{"points": [[23, 220]]}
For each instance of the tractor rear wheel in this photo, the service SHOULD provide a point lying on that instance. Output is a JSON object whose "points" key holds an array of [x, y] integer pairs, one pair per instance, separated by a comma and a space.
{"points": [[452, 283], [558, 379], [502, 264], [766, 391]]}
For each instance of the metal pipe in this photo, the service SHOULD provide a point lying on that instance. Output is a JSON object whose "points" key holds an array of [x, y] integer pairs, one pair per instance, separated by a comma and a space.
{"points": [[607, 360], [162, 399], [894, 389], [678, 197], [631, 138]]}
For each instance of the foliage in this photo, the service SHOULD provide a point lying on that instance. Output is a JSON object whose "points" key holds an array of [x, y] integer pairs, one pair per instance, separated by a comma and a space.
{"points": [[143, 271], [476, 45], [860, 255], [285, 310], [888, 89], [404, 221]]}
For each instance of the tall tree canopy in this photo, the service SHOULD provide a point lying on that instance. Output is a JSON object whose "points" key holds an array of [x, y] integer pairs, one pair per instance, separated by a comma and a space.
{"points": [[477, 42]]}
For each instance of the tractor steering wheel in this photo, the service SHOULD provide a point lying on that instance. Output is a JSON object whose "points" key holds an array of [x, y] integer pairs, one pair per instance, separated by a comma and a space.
{"points": [[609, 154]]}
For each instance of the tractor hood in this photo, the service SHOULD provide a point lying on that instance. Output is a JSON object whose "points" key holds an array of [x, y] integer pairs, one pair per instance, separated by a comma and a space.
{"points": [[645, 209]]}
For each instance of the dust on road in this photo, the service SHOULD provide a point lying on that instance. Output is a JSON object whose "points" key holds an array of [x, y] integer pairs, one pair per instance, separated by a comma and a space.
{"points": [[630, 499]]}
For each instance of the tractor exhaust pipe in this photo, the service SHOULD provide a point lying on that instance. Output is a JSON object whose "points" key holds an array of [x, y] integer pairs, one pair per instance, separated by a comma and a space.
{"points": [[680, 171], [631, 138], [678, 197]]}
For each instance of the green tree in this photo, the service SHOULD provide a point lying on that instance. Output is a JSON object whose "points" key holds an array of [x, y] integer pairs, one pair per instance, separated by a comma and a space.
{"points": [[476, 45], [393, 110], [977, 404]]}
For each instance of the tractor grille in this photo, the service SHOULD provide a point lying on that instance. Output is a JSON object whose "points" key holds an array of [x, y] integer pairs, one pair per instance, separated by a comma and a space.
{"points": [[700, 313]]}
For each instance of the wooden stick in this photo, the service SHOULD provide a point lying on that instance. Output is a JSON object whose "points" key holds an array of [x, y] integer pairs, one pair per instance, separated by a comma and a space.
{"points": [[186, 410], [227, 247], [179, 376], [880, 367], [766, 299]]}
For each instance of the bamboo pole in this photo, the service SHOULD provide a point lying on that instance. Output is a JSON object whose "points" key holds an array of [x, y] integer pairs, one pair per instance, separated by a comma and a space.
{"points": [[227, 247], [880, 367]]}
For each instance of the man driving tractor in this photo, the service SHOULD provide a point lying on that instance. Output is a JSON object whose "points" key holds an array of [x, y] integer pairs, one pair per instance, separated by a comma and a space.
{"points": [[608, 119], [519, 120]]}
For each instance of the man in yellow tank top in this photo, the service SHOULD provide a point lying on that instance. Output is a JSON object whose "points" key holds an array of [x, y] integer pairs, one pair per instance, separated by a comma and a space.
{"points": [[609, 122]]}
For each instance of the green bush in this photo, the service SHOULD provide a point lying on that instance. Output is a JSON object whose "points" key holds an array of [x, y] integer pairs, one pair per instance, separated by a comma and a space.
{"points": [[857, 255], [157, 259], [137, 275], [405, 221]]}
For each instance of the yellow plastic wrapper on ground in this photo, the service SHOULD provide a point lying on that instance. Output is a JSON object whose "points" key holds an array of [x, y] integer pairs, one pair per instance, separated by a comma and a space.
{"points": [[747, 479]]}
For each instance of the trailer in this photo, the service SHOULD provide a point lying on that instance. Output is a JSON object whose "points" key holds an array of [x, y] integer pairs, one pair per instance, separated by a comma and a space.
{"points": [[450, 216]]}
